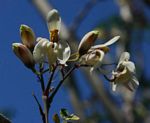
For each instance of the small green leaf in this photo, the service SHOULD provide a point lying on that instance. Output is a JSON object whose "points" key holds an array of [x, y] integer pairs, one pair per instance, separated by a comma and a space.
{"points": [[56, 118], [66, 116]]}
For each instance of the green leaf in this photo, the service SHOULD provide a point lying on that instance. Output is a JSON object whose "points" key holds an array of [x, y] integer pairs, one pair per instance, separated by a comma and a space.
{"points": [[66, 116], [56, 118]]}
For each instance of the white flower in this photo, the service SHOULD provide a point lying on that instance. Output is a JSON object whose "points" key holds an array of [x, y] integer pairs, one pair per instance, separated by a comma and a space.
{"points": [[95, 54], [53, 50], [39, 52], [93, 58], [125, 73], [46, 50]]}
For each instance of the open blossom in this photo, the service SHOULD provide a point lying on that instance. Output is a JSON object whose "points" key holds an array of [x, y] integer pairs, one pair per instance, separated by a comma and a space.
{"points": [[52, 50], [95, 55], [125, 73]]}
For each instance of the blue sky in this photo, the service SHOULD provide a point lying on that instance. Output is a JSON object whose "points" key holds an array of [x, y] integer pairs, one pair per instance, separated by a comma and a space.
{"points": [[17, 82]]}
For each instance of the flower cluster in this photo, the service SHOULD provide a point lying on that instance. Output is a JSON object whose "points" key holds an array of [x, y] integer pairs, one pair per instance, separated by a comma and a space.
{"points": [[39, 50], [57, 52]]}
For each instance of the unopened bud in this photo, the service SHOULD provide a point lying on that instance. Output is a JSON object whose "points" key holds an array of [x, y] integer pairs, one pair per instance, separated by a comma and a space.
{"points": [[27, 36], [87, 41], [24, 54]]}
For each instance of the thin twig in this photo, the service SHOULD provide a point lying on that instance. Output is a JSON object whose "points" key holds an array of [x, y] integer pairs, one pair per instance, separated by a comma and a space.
{"points": [[46, 110], [50, 80], [41, 77], [60, 83], [44, 71], [40, 108]]}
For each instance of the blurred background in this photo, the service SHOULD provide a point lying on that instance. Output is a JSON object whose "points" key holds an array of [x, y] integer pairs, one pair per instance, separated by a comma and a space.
{"points": [[90, 97]]}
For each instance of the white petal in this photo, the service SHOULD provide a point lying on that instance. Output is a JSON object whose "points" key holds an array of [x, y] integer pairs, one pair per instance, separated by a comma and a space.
{"points": [[53, 20], [130, 66], [64, 52], [100, 60], [52, 51], [39, 52], [114, 86], [135, 82], [110, 42], [125, 56], [91, 70]]}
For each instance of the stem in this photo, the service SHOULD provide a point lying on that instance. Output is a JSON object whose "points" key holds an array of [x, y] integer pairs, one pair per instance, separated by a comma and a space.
{"points": [[44, 71], [50, 81], [40, 108], [41, 77], [60, 83], [46, 110]]}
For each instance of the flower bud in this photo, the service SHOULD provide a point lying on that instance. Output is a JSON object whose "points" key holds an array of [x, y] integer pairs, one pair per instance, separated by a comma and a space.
{"points": [[24, 54], [53, 20], [27, 36], [86, 42]]}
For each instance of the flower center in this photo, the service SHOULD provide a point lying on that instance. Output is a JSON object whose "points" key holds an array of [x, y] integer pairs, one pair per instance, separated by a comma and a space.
{"points": [[54, 36]]}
